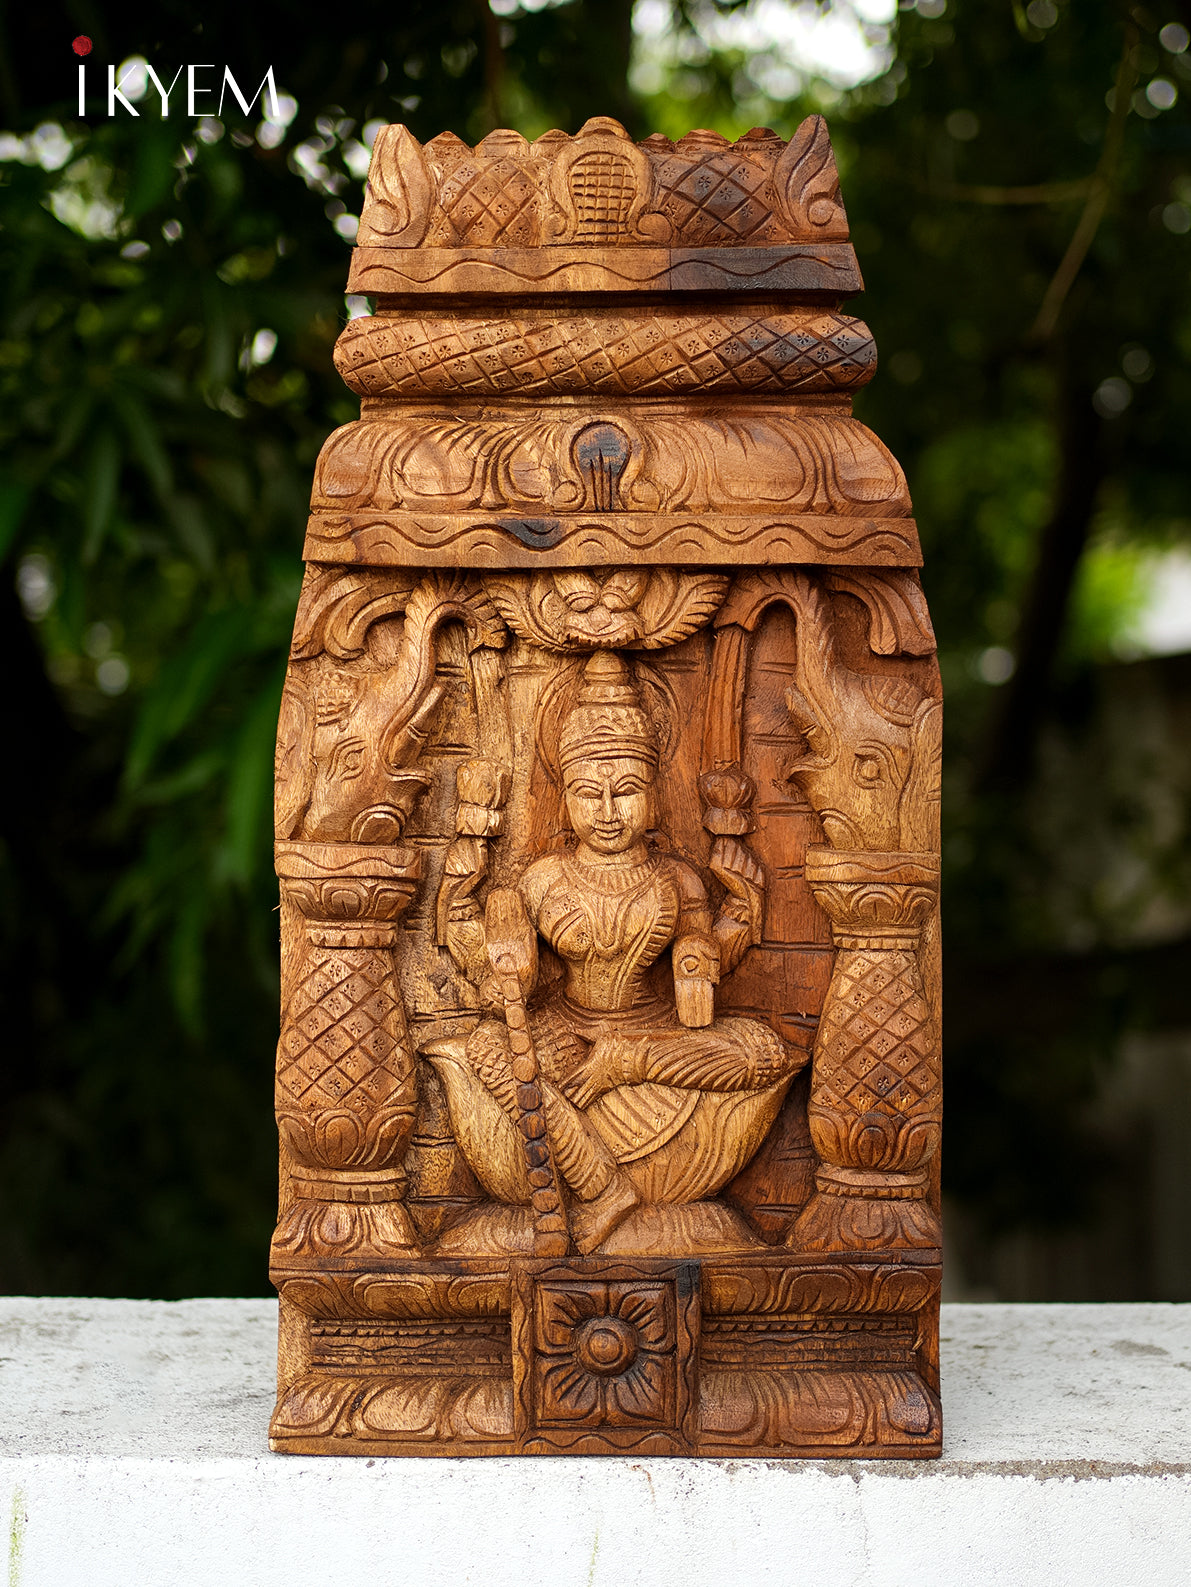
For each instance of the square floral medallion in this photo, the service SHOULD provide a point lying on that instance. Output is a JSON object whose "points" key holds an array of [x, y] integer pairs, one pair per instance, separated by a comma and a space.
{"points": [[606, 1355]]}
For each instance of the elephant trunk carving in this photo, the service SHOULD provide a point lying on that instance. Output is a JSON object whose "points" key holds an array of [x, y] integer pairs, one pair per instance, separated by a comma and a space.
{"points": [[349, 734]]}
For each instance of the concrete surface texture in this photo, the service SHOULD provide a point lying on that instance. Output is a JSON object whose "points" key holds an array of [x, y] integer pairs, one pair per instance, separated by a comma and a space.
{"points": [[132, 1437]]}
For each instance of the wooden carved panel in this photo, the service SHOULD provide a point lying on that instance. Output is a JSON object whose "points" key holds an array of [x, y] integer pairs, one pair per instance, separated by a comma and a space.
{"points": [[607, 830]]}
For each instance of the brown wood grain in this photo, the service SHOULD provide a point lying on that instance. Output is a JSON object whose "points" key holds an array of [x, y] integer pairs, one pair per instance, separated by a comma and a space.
{"points": [[607, 831]]}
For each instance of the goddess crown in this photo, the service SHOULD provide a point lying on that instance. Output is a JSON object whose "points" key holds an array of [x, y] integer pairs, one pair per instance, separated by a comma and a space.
{"points": [[608, 722]]}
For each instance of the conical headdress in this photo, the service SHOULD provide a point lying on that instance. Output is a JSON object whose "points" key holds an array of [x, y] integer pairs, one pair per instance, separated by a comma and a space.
{"points": [[608, 721]]}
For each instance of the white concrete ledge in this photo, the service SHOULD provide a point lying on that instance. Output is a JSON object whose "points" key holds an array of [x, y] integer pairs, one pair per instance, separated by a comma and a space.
{"points": [[132, 1437]]}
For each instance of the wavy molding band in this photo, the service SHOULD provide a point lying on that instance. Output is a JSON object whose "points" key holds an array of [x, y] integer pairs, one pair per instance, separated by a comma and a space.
{"points": [[542, 463], [442, 541]]}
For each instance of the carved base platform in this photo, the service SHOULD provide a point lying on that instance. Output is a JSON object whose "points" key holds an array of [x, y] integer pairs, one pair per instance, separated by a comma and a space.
{"points": [[792, 1358]]}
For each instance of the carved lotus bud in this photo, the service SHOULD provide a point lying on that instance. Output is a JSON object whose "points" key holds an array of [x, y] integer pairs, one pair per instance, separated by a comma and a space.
{"points": [[728, 795], [874, 1141], [349, 898], [348, 1137], [482, 782]]}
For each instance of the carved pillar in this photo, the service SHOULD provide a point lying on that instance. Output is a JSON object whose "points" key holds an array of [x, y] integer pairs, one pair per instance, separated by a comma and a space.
{"points": [[875, 1091], [345, 1068]]}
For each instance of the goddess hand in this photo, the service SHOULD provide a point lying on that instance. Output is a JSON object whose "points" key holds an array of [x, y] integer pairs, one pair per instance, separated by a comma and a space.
{"points": [[737, 868], [609, 1064], [464, 865]]}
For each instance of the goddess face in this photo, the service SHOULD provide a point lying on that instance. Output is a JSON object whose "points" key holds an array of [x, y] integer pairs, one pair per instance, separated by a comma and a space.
{"points": [[610, 802]]}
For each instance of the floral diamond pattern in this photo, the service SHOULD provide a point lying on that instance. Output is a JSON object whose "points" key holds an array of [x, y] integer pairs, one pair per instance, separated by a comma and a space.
{"points": [[337, 1043], [491, 203], [731, 352], [876, 1036]]}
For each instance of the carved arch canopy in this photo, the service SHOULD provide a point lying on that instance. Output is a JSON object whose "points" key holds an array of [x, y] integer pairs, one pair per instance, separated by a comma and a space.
{"points": [[608, 1082]]}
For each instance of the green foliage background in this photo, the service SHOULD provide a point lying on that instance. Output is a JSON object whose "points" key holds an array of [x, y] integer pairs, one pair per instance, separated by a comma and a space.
{"points": [[1024, 243]]}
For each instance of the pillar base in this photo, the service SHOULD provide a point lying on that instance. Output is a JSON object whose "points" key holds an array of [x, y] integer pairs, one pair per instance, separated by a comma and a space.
{"points": [[311, 1230], [858, 1210]]}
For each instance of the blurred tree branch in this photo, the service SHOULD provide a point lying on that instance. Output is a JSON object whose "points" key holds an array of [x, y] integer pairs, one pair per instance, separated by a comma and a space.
{"points": [[1040, 193], [1008, 757], [1007, 760], [1100, 191]]}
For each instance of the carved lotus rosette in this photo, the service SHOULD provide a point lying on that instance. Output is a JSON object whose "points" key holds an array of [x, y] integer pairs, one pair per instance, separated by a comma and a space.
{"points": [[605, 1356]]}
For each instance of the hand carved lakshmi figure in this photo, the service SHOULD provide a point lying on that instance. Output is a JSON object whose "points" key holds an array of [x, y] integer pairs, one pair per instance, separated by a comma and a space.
{"points": [[652, 1104], [609, 1083]]}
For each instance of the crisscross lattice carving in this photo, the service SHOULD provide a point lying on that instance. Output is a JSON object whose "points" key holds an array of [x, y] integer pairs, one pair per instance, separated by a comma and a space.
{"points": [[721, 198], [338, 1048], [877, 1041], [492, 203], [733, 352]]}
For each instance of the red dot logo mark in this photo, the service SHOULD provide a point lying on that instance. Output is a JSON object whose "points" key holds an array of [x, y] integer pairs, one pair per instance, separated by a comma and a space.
{"points": [[81, 45]]}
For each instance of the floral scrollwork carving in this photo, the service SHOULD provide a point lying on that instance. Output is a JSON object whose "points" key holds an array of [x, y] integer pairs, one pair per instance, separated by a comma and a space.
{"points": [[806, 183], [394, 1413], [400, 191]]}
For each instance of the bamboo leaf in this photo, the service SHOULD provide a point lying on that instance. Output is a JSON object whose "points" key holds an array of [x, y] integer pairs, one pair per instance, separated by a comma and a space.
{"points": [[183, 686], [13, 501], [145, 441], [100, 481], [186, 958]]}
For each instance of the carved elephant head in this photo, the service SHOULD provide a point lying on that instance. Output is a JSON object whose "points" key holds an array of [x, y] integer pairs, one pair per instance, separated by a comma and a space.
{"points": [[872, 764], [355, 788], [350, 732]]}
